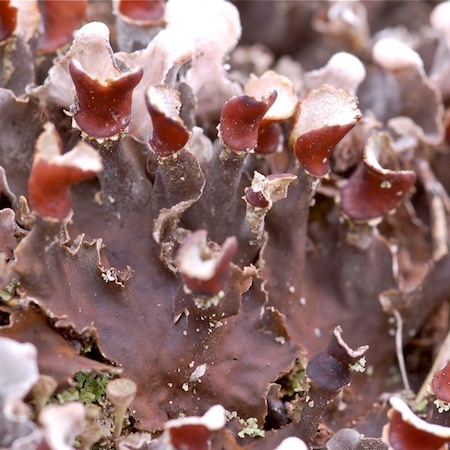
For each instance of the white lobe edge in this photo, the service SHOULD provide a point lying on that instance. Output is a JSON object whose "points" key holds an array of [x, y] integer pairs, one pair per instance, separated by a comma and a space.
{"points": [[165, 99], [105, 79], [92, 53], [284, 106], [326, 106], [92, 32], [352, 13], [292, 443], [214, 25], [62, 424], [92, 49], [377, 143], [82, 156], [28, 18], [273, 187], [213, 419], [350, 64], [213, 28], [409, 417], [160, 61], [393, 55], [19, 372], [48, 144], [374, 144], [352, 353], [343, 70], [440, 18], [196, 260]]}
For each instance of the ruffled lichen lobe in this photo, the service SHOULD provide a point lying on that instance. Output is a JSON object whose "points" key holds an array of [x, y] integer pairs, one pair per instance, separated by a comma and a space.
{"points": [[53, 173], [323, 118], [372, 192], [240, 120], [103, 108]]}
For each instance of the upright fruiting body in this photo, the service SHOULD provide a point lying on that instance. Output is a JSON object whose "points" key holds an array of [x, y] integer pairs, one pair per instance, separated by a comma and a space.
{"points": [[205, 270], [323, 118], [416, 111], [103, 107], [8, 14], [145, 12], [240, 120], [169, 134], [343, 71], [53, 173], [42, 390], [62, 424], [406, 431], [93, 430], [329, 371], [270, 135], [59, 23], [440, 385], [120, 392], [260, 197], [193, 433], [372, 192]]}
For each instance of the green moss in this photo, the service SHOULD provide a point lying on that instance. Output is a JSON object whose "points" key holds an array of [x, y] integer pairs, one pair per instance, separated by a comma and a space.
{"points": [[89, 388], [92, 388], [9, 292], [67, 396], [422, 406], [295, 381]]}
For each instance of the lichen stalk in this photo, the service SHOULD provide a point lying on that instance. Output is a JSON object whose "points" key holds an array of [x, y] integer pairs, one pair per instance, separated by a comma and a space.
{"points": [[439, 206], [253, 226], [259, 199], [175, 177], [317, 401], [123, 182], [220, 209], [288, 284], [329, 371], [43, 241]]}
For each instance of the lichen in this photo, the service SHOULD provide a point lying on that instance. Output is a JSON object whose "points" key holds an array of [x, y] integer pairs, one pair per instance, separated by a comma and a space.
{"points": [[358, 366], [442, 406], [251, 429]]}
